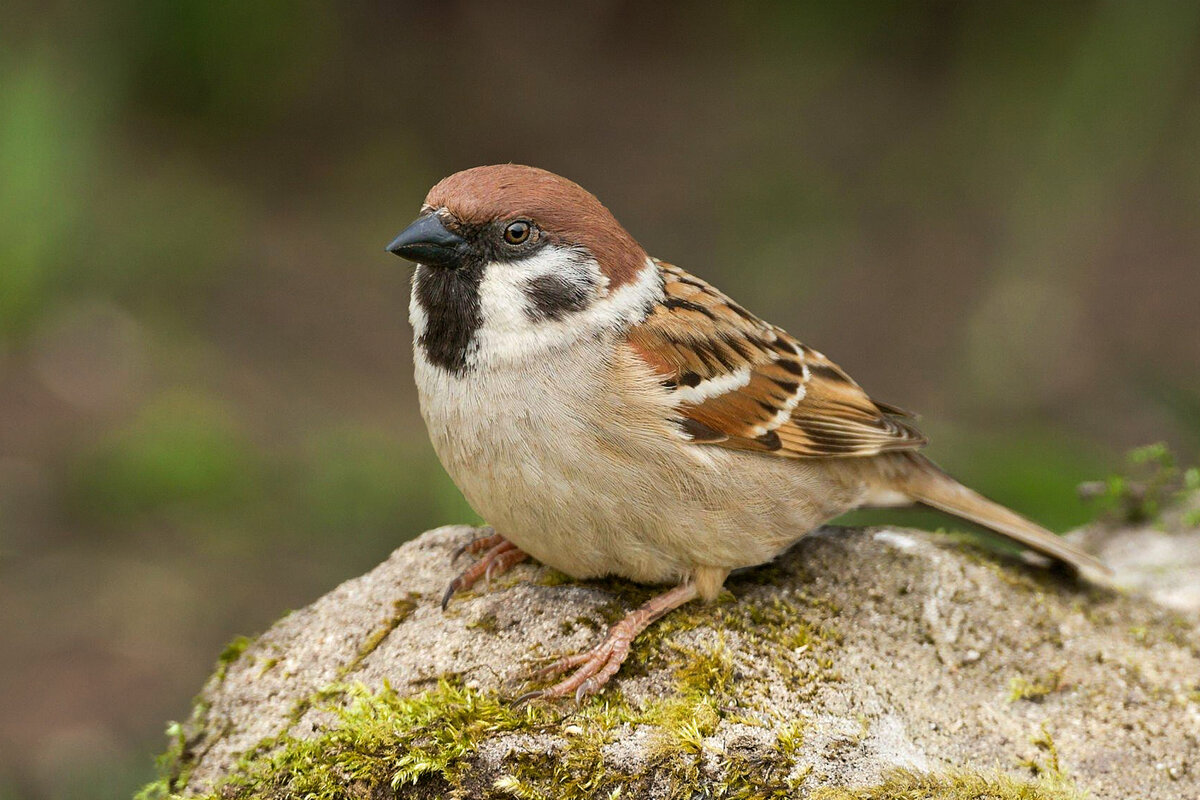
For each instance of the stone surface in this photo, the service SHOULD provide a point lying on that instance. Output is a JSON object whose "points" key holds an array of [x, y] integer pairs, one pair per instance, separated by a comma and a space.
{"points": [[859, 651], [1161, 560]]}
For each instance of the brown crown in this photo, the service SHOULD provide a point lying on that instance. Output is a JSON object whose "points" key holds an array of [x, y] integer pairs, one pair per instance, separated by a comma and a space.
{"points": [[564, 210]]}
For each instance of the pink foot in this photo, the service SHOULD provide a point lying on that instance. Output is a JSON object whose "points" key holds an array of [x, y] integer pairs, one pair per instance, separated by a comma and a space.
{"points": [[499, 555], [595, 667], [480, 544]]}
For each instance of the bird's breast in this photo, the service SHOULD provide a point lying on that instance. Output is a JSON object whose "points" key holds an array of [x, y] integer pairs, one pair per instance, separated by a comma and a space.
{"points": [[575, 459], [549, 453]]}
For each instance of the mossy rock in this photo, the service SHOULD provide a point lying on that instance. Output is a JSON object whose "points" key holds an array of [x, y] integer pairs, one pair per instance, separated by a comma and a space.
{"points": [[865, 663]]}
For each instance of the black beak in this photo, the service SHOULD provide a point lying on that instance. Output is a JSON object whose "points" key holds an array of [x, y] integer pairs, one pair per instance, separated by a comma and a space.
{"points": [[427, 241]]}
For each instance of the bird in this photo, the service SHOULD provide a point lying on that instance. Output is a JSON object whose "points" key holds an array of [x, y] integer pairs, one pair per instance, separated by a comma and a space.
{"points": [[610, 414]]}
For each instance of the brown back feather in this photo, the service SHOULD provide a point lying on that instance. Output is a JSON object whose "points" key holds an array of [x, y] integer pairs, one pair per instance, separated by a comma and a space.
{"points": [[789, 399]]}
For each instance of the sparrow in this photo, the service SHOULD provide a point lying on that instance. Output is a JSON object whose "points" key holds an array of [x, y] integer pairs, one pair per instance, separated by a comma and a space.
{"points": [[609, 413]]}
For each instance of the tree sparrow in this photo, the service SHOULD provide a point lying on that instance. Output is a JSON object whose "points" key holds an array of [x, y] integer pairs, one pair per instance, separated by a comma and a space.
{"points": [[610, 414]]}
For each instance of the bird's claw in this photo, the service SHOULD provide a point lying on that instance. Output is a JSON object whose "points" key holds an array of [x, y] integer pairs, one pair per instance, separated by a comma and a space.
{"points": [[479, 544], [592, 668], [528, 697], [595, 667], [586, 689], [500, 555], [454, 586]]}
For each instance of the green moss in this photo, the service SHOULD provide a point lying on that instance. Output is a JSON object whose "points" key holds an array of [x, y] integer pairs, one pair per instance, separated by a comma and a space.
{"points": [[685, 719], [1152, 482], [381, 740], [905, 785], [232, 652], [706, 674], [486, 623], [176, 763], [1036, 689], [1048, 766], [552, 577], [402, 609], [384, 743], [169, 767]]}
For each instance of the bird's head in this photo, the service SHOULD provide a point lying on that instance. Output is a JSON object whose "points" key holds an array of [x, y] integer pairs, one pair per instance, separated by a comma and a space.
{"points": [[510, 212], [508, 250]]}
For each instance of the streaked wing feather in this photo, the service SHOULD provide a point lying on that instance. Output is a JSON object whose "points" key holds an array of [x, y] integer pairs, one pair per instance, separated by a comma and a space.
{"points": [[742, 383]]}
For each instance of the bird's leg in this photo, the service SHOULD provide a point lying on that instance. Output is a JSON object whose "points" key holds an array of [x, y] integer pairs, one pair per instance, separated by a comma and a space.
{"points": [[499, 554], [594, 667], [481, 543]]}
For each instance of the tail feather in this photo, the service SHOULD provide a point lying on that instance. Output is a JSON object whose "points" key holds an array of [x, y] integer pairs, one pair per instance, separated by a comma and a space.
{"points": [[928, 484]]}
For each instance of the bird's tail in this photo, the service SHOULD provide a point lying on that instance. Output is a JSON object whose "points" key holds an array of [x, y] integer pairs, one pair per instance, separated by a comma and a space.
{"points": [[926, 483]]}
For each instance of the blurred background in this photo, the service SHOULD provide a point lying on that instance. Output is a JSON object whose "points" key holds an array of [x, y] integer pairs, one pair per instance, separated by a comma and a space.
{"points": [[987, 213]]}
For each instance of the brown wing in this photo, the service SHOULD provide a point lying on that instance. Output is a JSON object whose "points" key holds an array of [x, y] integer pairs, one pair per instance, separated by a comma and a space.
{"points": [[743, 383]]}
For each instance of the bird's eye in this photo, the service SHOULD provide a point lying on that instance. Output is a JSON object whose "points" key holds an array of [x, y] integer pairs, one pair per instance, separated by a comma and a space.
{"points": [[517, 232]]}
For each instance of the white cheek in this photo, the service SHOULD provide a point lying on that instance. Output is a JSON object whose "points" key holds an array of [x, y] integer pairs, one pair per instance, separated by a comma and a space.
{"points": [[502, 298], [510, 332], [416, 315], [509, 328]]}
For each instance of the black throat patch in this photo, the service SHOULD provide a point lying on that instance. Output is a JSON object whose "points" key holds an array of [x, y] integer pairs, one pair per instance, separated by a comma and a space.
{"points": [[450, 300]]}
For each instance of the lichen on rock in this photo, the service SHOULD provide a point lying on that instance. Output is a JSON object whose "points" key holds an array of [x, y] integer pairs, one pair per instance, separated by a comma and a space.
{"points": [[864, 663]]}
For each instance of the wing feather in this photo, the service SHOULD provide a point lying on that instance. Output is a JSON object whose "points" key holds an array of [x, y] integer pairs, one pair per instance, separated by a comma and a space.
{"points": [[743, 383]]}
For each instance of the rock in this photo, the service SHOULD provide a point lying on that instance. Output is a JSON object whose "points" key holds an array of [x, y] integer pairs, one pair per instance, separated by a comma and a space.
{"points": [[894, 662], [1161, 561]]}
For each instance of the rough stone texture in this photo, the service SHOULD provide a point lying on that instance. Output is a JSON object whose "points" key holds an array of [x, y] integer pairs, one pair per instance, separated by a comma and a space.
{"points": [[934, 655], [1161, 561]]}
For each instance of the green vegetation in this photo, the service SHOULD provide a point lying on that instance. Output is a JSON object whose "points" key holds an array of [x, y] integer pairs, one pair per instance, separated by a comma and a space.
{"points": [[183, 450], [434, 739], [432, 743], [487, 623], [905, 785], [1152, 482], [232, 652], [1035, 689], [1048, 767], [171, 766]]}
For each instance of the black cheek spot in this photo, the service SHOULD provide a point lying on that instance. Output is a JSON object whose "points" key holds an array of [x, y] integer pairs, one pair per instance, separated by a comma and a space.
{"points": [[553, 297]]}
